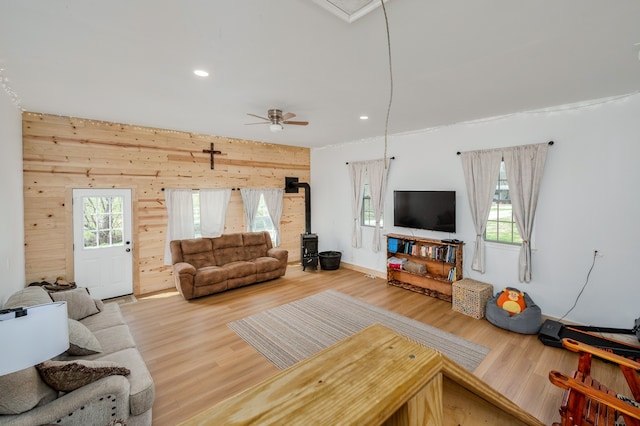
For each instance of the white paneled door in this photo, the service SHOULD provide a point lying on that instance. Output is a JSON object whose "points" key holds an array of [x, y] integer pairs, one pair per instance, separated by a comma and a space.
{"points": [[103, 257]]}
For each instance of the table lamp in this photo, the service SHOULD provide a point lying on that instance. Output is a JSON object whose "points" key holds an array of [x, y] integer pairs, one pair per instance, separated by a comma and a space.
{"points": [[32, 335]]}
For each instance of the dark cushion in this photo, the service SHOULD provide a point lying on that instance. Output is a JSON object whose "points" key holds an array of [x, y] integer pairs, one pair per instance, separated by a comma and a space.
{"points": [[66, 376]]}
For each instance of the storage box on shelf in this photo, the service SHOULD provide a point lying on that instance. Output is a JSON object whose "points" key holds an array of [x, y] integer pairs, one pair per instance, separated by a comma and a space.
{"points": [[434, 265], [470, 297]]}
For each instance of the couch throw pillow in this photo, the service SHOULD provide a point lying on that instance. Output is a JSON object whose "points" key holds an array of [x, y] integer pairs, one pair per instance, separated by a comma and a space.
{"points": [[79, 302], [81, 340], [67, 376], [26, 297], [23, 390]]}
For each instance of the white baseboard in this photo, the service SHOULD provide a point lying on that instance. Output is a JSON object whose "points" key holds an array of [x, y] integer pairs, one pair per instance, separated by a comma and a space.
{"points": [[366, 271]]}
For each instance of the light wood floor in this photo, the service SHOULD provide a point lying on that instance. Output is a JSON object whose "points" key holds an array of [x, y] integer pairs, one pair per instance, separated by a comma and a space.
{"points": [[197, 361]]}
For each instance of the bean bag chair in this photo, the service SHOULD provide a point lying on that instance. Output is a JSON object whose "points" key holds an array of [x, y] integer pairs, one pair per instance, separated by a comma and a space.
{"points": [[528, 321]]}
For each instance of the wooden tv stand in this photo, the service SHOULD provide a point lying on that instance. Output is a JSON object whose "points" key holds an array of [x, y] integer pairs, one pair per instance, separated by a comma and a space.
{"points": [[373, 377]]}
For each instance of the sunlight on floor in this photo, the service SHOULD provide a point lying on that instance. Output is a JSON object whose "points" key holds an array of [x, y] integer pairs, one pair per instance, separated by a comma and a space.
{"points": [[163, 295]]}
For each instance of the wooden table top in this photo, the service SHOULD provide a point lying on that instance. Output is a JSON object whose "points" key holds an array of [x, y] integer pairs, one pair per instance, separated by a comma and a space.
{"points": [[363, 379]]}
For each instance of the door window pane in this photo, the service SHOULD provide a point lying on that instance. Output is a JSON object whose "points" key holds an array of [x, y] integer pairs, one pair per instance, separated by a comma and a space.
{"points": [[102, 221]]}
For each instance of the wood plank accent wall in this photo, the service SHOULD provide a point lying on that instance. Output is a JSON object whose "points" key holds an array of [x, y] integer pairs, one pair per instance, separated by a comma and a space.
{"points": [[64, 153]]}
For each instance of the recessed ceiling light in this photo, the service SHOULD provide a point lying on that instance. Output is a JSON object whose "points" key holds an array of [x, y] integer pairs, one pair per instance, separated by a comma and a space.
{"points": [[201, 73], [364, 117]]}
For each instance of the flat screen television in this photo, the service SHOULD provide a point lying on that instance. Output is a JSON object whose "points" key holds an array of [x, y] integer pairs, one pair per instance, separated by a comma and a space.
{"points": [[432, 210]]}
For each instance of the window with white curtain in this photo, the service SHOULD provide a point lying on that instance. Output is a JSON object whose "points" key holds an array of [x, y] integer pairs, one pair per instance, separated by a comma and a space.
{"points": [[197, 230], [263, 220], [501, 225], [194, 214], [368, 217], [263, 210]]}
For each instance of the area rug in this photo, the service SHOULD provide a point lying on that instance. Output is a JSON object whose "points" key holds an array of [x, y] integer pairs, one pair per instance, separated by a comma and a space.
{"points": [[290, 333]]}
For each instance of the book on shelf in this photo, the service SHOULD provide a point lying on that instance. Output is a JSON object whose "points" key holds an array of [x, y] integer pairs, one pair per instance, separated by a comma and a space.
{"points": [[396, 262], [452, 274], [392, 244]]}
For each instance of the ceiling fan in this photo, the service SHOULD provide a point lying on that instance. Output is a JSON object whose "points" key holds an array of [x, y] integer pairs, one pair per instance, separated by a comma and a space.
{"points": [[277, 119]]}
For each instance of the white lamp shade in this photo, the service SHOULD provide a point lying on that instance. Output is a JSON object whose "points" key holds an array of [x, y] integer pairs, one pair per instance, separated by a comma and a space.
{"points": [[33, 338]]}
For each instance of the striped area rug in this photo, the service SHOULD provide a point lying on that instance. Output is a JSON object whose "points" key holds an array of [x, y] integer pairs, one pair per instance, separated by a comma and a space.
{"points": [[290, 333]]}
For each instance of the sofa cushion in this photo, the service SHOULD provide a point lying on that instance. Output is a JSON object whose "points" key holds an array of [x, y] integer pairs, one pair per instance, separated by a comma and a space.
{"points": [[29, 296], [255, 244], [240, 269], [67, 376], [110, 316], [210, 275], [266, 264], [197, 252], [142, 391], [79, 303], [115, 338], [23, 390], [81, 340], [241, 281], [228, 248], [112, 339]]}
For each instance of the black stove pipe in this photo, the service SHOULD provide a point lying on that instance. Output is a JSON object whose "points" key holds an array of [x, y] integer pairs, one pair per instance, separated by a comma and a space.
{"points": [[291, 186]]}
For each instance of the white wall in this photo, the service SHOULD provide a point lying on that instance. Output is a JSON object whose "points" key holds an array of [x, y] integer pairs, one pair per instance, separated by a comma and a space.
{"points": [[12, 266], [590, 199]]}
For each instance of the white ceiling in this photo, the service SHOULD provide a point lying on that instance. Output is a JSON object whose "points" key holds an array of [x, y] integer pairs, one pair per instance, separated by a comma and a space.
{"points": [[132, 61]]}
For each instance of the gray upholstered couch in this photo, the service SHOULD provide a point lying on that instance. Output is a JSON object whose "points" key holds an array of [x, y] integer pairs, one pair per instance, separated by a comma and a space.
{"points": [[204, 266], [114, 397]]}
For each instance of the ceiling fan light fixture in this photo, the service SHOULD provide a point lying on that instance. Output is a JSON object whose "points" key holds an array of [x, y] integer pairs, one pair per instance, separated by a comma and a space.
{"points": [[276, 127], [201, 73]]}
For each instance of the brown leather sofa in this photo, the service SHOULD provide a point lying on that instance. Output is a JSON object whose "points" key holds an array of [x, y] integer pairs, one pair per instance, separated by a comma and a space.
{"points": [[203, 266]]}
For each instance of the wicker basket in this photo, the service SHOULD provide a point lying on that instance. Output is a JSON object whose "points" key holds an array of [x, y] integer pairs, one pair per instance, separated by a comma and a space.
{"points": [[470, 297]]}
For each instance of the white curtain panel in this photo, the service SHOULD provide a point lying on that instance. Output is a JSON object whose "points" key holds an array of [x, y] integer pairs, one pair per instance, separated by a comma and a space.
{"points": [[357, 172], [273, 198], [179, 204], [377, 172], [524, 166], [213, 211], [251, 200], [481, 171]]}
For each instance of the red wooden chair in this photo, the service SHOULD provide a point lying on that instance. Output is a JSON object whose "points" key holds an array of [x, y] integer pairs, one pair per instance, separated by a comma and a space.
{"points": [[586, 402]]}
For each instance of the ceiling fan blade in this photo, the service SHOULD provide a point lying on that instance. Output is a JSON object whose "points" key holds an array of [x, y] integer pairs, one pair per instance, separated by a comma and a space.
{"points": [[297, 123], [257, 116], [287, 116], [250, 124]]}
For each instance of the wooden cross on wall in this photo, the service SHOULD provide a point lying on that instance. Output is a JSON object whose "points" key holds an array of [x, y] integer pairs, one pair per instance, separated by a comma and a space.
{"points": [[211, 152]]}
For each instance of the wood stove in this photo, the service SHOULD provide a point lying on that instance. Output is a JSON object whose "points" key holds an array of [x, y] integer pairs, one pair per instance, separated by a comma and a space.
{"points": [[309, 251], [308, 241]]}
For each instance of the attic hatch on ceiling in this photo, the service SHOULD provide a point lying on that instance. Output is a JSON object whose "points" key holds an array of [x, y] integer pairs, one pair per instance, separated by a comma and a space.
{"points": [[349, 10]]}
